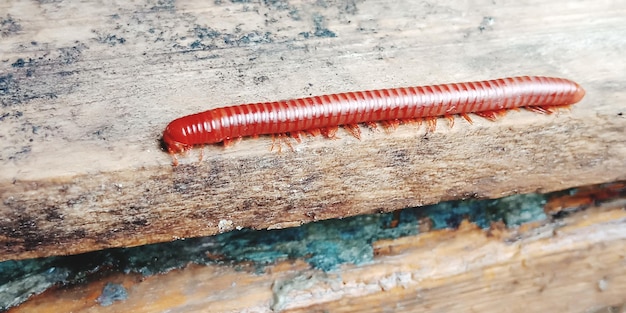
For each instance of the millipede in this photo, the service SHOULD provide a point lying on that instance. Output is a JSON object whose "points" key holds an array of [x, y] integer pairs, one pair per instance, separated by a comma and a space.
{"points": [[390, 107]]}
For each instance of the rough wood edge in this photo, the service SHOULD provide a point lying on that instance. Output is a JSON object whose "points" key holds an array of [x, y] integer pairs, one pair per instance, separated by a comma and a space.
{"points": [[539, 267]]}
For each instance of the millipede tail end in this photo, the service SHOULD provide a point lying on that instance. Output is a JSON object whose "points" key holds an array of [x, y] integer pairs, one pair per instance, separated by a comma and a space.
{"points": [[579, 94]]}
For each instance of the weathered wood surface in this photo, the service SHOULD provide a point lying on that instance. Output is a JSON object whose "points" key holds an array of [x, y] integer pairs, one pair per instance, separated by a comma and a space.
{"points": [[575, 264], [87, 88]]}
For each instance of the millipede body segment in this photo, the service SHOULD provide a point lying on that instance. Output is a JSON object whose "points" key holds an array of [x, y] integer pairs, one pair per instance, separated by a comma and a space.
{"points": [[323, 114]]}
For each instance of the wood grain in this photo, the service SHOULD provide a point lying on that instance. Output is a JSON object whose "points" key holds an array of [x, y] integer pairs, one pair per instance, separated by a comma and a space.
{"points": [[575, 264], [87, 88]]}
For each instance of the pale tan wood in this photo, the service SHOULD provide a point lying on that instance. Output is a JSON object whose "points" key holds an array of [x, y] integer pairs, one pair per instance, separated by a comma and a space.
{"points": [[80, 165], [573, 265]]}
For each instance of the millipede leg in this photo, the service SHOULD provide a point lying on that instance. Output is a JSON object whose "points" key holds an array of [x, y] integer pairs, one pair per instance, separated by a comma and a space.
{"points": [[201, 154], [354, 130], [174, 159], [273, 142], [431, 123], [467, 118], [450, 119]]}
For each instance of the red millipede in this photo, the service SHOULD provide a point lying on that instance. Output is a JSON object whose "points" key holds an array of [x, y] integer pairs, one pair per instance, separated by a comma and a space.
{"points": [[323, 114]]}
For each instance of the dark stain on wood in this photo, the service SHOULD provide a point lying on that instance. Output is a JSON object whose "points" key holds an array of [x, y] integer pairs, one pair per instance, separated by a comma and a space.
{"points": [[9, 26]]}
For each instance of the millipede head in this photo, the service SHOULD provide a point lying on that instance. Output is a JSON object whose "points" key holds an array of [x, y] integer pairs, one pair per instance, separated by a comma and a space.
{"points": [[172, 145]]}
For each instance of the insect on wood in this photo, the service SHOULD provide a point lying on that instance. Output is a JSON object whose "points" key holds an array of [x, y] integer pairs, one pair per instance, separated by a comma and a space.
{"points": [[324, 114]]}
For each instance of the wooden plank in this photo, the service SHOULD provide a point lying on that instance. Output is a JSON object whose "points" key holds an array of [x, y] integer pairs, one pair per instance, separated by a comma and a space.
{"points": [[87, 88], [539, 267]]}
